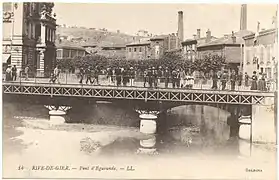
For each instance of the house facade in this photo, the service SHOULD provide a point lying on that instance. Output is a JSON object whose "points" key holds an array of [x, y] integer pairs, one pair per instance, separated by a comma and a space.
{"points": [[152, 48], [231, 47], [29, 36], [261, 53], [70, 52], [189, 46]]}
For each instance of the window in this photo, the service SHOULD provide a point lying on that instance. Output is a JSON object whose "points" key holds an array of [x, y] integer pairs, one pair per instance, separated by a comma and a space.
{"points": [[268, 53], [140, 49], [38, 60], [248, 56], [33, 30], [59, 53], [66, 53], [130, 49], [261, 54], [28, 30], [135, 49], [268, 72]]}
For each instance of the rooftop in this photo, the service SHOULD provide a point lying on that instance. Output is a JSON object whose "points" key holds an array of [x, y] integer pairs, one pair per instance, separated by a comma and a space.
{"points": [[68, 45], [227, 40], [261, 33], [138, 43]]}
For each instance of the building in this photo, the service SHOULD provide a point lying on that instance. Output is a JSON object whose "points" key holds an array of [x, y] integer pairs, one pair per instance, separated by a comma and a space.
{"points": [[261, 53], [138, 50], [143, 33], [90, 47], [113, 51], [155, 47], [189, 46], [29, 36], [69, 51], [230, 46]]}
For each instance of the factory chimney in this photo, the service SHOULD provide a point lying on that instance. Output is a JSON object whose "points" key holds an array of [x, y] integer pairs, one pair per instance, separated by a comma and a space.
{"points": [[198, 33], [243, 17], [180, 30]]}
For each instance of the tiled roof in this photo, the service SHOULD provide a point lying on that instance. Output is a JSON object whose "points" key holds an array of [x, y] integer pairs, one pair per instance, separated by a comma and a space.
{"points": [[159, 37], [262, 32], [228, 39], [68, 45], [138, 43], [114, 46]]}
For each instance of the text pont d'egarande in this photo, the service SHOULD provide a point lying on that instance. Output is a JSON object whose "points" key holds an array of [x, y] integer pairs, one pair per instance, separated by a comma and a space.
{"points": [[81, 168]]}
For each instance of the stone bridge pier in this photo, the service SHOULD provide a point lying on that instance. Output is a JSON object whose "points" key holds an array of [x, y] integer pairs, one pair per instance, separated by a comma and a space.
{"points": [[148, 126], [57, 114], [264, 122]]}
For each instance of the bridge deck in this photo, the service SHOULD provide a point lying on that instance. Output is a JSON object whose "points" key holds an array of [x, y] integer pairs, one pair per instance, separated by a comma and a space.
{"points": [[139, 93]]}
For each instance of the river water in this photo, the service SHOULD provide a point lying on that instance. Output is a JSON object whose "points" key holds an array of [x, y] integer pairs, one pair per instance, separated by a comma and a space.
{"points": [[29, 139]]}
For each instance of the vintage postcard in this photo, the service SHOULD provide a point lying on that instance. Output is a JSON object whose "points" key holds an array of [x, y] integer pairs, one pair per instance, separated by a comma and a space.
{"points": [[139, 91]]}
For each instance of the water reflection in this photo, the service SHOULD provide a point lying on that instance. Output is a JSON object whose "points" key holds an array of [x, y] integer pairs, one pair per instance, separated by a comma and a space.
{"points": [[185, 130]]}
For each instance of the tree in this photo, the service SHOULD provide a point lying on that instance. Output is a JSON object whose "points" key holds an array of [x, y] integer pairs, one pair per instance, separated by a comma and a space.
{"points": [[209, 63], [172, 60]]}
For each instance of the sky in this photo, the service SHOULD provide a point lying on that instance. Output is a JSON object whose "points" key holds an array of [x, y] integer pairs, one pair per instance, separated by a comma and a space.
{"points": [[162, 18]]}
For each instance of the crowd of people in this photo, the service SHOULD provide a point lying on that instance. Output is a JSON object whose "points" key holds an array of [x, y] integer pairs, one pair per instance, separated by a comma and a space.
{"points": [[152, 77], [12, 72]]}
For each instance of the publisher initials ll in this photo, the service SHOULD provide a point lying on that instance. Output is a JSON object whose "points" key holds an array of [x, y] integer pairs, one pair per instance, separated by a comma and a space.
{"points": [[130, 168]]}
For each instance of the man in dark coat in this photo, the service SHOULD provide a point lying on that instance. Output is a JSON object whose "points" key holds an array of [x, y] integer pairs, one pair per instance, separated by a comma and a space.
{"points": [[233, 79], [14, 71], [224, 79], [167, 77]]}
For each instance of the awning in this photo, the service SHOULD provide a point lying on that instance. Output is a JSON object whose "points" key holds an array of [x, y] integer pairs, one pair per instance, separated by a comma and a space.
{"points": [[5, 57]]}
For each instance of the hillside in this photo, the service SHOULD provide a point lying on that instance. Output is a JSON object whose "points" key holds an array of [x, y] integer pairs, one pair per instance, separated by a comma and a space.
{"points": [[80, 36]]}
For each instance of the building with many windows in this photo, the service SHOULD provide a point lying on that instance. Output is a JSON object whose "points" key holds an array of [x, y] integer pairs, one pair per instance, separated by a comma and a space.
{"points": [[154, 47], [261, 53], [29, 36], [189, 46], [70, 52]]}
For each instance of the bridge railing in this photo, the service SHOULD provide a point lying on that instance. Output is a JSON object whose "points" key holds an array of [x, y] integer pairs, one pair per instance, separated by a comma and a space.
{"points": [[140, 81]]}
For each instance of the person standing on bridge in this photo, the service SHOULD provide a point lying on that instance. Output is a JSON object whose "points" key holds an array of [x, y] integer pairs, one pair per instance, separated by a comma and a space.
{"points": [[88, 75], [160, 75], [233, 79], [149, 75], [118, 76], [125, 77], [81, 74], [215, 80], [14, 71], [254, 85], [96, 75], [154, 77], [182, 78], [56, 73], [246, 79], [8, 73], [174, 75], [224, 79], [145, 78], [167, 77], [109, 76], [132, 75]]}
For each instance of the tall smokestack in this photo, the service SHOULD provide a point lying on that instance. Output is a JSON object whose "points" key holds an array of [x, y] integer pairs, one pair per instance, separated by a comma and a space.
{"points": [[198, 33], [243, 17], [180, 30]]}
